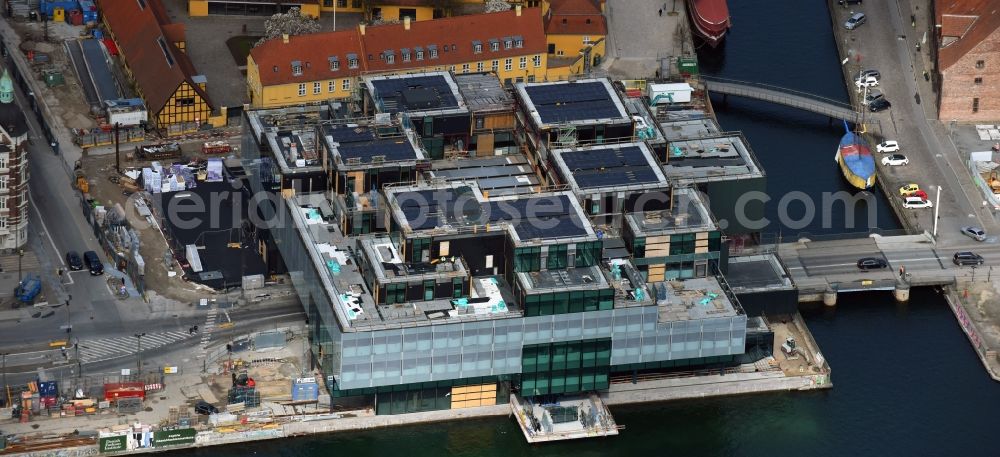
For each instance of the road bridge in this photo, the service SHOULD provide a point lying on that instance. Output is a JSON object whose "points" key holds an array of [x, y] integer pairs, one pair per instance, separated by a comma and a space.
{"points": [[831, 108], [820, 269]]}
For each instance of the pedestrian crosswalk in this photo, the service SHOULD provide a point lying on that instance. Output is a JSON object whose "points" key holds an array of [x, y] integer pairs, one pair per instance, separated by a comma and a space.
{"points": [[114, 347]]}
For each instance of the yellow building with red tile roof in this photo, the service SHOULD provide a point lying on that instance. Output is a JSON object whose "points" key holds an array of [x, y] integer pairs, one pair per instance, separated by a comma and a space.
{"points": [[322, 66]]}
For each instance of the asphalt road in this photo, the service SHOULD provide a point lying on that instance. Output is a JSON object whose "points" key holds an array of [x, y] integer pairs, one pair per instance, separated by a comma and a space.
{"points": [[167, 347], [57, 225], [887, 42]]}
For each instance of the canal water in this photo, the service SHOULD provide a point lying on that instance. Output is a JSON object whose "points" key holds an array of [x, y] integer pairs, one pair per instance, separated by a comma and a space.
{"points": [[906, 381]]}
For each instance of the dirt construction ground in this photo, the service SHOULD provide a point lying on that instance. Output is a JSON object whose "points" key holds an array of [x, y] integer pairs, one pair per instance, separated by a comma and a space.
{"points": [[66, 101], [99, 170]]}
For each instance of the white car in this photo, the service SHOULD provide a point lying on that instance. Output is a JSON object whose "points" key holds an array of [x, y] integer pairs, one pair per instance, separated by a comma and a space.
{"points": [[866, 81], [888, 146], [895, 160], [916, 203]]}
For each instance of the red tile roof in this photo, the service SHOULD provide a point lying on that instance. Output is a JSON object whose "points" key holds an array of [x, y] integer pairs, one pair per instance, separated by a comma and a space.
{"points": [[274, 58], [137, 32], [575, 17], [954, 17], [457, 34]]}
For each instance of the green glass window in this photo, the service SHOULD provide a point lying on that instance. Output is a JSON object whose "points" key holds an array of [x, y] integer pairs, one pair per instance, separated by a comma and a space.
{"points": [[557, 257], [429, 290], [588, 254], [459, 289], [607, 299], [395, 293], [560, 302], [682, 244], [714, 241], [527, 259], [639, 248], [531, 305]]}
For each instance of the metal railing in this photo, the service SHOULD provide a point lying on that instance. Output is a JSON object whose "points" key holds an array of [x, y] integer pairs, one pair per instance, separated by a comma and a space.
{"points": [[787, 97]]}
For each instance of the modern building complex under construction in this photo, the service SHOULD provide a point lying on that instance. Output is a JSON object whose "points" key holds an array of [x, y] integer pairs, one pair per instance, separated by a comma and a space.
{"points": [[446, 261]]}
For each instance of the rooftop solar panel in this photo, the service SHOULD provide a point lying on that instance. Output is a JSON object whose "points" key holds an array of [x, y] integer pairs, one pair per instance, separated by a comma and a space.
{"points": [[416, 93], [392, 150], [573, 102], [609, 167]]}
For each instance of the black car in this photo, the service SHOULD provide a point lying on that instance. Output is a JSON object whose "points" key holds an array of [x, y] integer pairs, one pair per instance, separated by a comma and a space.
{"points": [[205, 408], [94, 263], [967, 258], [848, 2], [73, 261], [880, 104], [872, 263]]}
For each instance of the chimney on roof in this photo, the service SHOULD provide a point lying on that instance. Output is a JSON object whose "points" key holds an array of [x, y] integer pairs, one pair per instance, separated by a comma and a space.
{"points": [[406, 22], [284, 38], [517, 10], [361, 28]]}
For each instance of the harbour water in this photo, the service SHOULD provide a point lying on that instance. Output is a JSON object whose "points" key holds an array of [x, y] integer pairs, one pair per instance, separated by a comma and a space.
{"points": [[906, 381]]}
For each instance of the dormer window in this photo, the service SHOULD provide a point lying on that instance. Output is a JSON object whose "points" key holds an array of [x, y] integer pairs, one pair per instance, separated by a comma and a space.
{"points": [[477, 47], [352, 61], [296, 68], [507, 43], [433, 51], [420, 54], [494, 45], [406, 54], [518, 43], [334, 63], [389, 57]]}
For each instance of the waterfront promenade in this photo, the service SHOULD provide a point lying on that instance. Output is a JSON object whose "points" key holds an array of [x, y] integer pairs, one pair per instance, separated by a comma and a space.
{"points": [[889, 43]]}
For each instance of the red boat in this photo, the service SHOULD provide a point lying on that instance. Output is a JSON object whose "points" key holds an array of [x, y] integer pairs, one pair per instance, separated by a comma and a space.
{"points": [[710, 19]]}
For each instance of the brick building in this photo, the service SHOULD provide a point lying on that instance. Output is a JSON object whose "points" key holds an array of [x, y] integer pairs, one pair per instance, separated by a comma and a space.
{"points": [[13, 170], [968, 59]]}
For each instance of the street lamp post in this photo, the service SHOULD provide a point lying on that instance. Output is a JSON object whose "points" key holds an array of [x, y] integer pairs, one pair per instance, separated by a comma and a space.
{"points": [[937, 207], [138, 352], [4, 373], [69, 317]]}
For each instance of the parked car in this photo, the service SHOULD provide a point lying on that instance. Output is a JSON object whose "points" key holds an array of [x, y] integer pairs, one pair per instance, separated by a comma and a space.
{"points": [[94, 263], [205, 408], [73, 261], [975, 233], [894, 160], [854, 21], [967, 258], [879, 105], [871, 72], [866, 81], [887, 146], [872, 263], [917, 203], [872, 95], [920, 194], [848, 2], [908, 189]]}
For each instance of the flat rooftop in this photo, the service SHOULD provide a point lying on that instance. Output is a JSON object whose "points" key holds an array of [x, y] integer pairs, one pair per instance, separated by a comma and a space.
{"points": [[716, 158], [568, 278], [687, 124], [628, 166], [461, 206], [694, 299], [483, 92], [290, 133], [337, 262], [434, 91], [496, 175], [296, 150], [687, 214], [353, 143], [586, 101], [762, 271]]}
